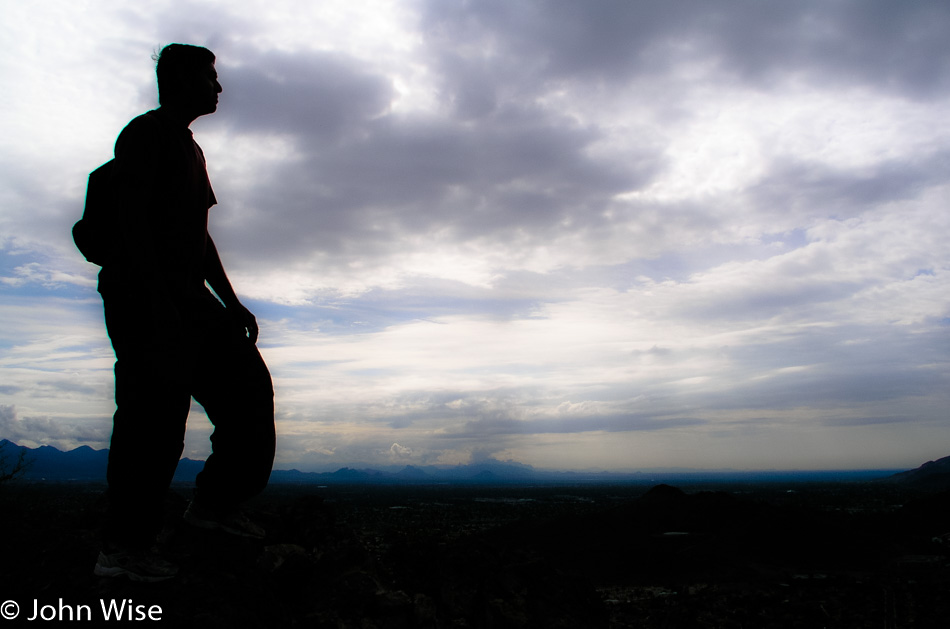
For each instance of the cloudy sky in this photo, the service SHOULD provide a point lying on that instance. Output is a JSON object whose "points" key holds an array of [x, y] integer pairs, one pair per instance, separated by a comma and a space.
{"points": [[599, 234]]}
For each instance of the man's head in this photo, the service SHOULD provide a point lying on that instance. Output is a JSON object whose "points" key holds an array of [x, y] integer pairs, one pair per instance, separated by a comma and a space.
{"points": [[187, 78]]}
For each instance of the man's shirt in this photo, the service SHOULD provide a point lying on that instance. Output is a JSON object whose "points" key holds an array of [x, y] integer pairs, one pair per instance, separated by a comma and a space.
{"points": [[163, 198]]}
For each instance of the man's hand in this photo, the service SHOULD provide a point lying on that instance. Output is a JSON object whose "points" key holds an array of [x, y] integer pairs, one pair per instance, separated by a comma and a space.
{"points": [[246, 320], [218, 280]]}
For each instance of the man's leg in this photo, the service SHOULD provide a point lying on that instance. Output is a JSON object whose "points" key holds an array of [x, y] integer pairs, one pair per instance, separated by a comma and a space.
{"points": [[233, 385], [147, 442], [152, 402]]}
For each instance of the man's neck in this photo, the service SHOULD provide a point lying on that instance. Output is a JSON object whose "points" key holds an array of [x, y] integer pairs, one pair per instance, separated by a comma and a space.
{"points": [[178, 115]]}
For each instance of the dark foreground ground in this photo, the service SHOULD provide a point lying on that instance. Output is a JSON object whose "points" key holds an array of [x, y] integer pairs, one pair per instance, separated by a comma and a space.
{"points": [[753, 556]]}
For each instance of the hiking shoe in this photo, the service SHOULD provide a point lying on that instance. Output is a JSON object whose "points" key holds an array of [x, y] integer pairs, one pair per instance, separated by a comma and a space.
{"points": [[233, 522], [137, 565]]}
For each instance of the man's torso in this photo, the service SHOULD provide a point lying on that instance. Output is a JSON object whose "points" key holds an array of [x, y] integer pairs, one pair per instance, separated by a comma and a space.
{"points": [[163, 197]]}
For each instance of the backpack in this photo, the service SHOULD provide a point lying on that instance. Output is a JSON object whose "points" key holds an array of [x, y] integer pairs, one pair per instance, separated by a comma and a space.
{"points": [[96, 233]]}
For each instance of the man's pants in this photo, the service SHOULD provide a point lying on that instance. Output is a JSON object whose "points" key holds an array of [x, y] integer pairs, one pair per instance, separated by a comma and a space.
{"points": [[157, 372]]}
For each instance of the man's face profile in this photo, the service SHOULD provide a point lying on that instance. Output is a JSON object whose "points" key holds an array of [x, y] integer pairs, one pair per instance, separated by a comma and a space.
{"points": [[198, 91], [205, 90]]}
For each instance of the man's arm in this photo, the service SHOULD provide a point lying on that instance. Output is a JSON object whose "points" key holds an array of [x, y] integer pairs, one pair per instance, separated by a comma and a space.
{"points": [[218, 280]]}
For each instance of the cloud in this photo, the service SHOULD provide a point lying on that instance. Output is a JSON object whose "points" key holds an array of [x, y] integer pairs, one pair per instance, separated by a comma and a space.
{"points": [[559, 232], [319, 97], [35, 273], [501, 191], [513, 169], [846, 41], [399, 453], [38, 431]]}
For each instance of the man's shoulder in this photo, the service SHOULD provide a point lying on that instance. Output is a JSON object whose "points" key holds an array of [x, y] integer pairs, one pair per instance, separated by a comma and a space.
{"points": [[144, 129], [148, 122]]}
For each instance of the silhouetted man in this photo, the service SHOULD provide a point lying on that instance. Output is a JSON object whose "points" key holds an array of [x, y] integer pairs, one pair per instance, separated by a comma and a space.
{"points": [[173, 340]]}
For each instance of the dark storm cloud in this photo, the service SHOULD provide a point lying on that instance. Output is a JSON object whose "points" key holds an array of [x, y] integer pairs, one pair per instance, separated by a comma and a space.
{"points": [[901, 46], [522, 169], [498, 164], [810, 189], [363, 177], [320, 97]]}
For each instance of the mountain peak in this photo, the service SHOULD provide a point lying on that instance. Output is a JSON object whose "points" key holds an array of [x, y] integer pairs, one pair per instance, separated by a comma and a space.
{"points": [[932, 474]]}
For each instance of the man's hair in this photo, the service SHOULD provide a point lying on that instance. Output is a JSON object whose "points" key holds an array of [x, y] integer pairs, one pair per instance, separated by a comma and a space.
{"points": [[177, 65]]}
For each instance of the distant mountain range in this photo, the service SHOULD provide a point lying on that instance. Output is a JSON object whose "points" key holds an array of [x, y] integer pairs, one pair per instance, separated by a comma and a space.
{"points": [[87, 464]]}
